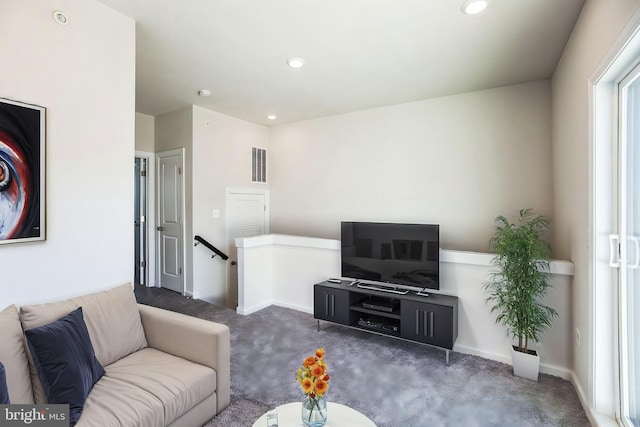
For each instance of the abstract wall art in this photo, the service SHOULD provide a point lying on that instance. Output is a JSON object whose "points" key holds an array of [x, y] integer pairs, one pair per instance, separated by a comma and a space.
{"points": [[22, 172]]}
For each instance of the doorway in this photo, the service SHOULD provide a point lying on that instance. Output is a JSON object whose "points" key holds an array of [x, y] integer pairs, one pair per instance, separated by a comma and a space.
{"points": [[140, 231], [170, 225]]}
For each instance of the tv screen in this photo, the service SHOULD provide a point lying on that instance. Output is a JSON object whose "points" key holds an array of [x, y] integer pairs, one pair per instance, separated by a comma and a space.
{"points": [[401, 254]]}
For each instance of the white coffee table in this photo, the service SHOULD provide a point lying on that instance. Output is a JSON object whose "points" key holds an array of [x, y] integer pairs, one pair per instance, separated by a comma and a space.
{"points": [[337, 416]]}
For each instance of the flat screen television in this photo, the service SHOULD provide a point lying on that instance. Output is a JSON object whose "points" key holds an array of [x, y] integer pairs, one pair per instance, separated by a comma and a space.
{"points": [[399, 254]]}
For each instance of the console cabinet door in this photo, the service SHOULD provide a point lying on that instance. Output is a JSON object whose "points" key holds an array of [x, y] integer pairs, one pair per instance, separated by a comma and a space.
{"points": [[331, 304], [427, 323]]}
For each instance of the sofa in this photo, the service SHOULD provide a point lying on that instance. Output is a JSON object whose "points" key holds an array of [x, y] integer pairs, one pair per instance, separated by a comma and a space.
{"points": [[151, 367]]}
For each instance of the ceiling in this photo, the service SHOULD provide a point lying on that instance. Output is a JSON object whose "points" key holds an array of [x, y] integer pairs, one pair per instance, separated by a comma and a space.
{"points": [[358, 54]]}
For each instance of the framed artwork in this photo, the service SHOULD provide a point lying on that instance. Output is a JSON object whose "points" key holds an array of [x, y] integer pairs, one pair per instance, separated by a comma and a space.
{"points": [[22, 172]]}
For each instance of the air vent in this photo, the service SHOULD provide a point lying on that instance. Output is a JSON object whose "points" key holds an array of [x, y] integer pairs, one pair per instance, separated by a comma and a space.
{"points": [[258, 165]]}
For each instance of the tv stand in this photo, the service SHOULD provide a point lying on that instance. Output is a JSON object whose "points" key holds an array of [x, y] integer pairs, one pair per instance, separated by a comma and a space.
{"points": [[403, 314]]}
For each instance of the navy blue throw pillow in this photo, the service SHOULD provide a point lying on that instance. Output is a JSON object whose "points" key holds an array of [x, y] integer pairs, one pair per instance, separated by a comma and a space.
{"points": [[4, 392], [66, 363]]}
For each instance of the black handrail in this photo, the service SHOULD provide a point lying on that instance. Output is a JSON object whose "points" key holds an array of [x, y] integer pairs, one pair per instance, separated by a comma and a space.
{"points": [[211, 247]]}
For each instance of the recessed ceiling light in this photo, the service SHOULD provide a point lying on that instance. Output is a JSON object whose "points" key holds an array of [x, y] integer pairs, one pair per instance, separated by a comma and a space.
{"points": [[471, 7], [295, 62], [60, 17], [204, 92], [272, 117]]}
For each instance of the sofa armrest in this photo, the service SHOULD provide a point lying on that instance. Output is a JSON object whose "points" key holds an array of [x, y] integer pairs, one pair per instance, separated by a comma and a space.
{"points": [[198, 340]]}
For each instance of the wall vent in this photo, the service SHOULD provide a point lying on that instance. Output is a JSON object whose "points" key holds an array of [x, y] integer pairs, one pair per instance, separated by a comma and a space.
{"points": [[258, 164]]}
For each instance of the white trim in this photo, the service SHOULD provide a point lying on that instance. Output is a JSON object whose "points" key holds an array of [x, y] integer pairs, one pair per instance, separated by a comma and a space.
{"points": [[446, 255], [287, 240], [251, 310]]}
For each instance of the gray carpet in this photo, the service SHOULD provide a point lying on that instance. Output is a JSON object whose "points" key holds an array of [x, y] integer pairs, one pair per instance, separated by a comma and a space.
{"points": [[240, 412], [393, 382]]}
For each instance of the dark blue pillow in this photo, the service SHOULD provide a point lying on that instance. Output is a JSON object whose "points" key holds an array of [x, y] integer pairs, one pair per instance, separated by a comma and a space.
{"points": [[4, 392], [66, 363]]}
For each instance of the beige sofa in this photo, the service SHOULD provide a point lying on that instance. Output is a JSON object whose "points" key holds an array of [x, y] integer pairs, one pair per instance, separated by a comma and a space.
{"points": [[161, 368]]}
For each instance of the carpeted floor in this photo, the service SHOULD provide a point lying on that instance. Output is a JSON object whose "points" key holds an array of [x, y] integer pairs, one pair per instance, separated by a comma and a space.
{"points": [[393, 382]]}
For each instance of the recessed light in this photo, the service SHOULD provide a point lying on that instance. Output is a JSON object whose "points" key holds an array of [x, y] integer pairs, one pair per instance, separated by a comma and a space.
{"points": [[471, 7], [60, 17], [272, 117], [204, 92], [295, 62]]}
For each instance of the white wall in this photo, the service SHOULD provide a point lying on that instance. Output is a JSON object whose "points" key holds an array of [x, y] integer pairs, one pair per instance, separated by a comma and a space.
{"points": [[596, 31], [173, 130], [221, 159], [281, 270], [83, 73], [458, 161], [145, 133]]}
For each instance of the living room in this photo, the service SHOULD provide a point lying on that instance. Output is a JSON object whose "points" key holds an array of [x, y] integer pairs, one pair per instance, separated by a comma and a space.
{"points": [[489, 152]]}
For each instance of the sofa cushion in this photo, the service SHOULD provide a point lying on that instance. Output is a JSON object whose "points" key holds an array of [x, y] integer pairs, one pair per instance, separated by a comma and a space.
{"points": [[112, 319], [4, 392], [14, 357], [64, 357], [115, 403], [111, 316], [178, 383]]}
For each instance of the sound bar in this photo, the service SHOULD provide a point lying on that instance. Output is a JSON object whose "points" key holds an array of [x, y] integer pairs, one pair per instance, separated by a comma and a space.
{"points": [[383, 288]]}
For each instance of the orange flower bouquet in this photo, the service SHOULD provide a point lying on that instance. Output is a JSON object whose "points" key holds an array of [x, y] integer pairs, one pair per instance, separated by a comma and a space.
{"points": [[314, 380]]}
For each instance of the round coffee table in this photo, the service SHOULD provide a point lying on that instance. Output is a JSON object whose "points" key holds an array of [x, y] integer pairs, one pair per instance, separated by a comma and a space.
{"points": [[337, 416]]}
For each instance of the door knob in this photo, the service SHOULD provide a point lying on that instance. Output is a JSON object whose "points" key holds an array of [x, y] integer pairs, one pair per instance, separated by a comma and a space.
{"points": [[160, 228]]}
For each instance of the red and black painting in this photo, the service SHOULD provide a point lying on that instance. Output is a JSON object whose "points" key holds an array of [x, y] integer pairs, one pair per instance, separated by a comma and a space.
{"points": [[22, 138]]}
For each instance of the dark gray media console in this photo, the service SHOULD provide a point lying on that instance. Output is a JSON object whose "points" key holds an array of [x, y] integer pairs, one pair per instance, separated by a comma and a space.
{"points": [[430, 320]]}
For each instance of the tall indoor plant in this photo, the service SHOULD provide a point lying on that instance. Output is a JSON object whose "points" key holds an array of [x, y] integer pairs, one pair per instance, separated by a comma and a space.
{"points": [[518, 284]]}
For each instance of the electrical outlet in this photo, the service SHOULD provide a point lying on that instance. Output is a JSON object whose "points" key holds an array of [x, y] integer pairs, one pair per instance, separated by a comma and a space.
{"points": [[578, 337]]}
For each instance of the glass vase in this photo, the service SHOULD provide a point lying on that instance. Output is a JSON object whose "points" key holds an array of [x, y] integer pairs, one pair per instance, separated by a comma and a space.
{"points": [[314, 411]]}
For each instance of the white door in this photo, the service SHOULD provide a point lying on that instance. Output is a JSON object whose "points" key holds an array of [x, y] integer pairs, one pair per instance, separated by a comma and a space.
{"points": [[247, 215], [169, 225]]}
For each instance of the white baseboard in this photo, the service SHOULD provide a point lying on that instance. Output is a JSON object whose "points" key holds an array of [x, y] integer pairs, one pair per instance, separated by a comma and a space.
{"points": [[546, 369], [595, 418], [246, 311], [308, 310]]}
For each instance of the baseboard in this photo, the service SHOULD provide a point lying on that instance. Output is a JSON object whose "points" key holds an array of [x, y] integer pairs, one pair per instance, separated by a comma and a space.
{"points": [[595, 418], [584, 401], [307, 310], [246, 311], [545, 369]]}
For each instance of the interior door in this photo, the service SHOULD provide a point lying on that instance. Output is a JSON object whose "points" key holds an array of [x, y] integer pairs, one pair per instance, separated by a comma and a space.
{"points": [[246, 216], [170, 226]]}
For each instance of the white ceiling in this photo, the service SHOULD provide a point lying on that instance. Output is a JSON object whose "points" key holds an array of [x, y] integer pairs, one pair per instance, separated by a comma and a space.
{"points": [[359, 54]]}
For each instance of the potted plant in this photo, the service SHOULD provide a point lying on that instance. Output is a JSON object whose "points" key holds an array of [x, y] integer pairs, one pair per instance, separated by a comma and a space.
{"points": [[516, 288]]}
